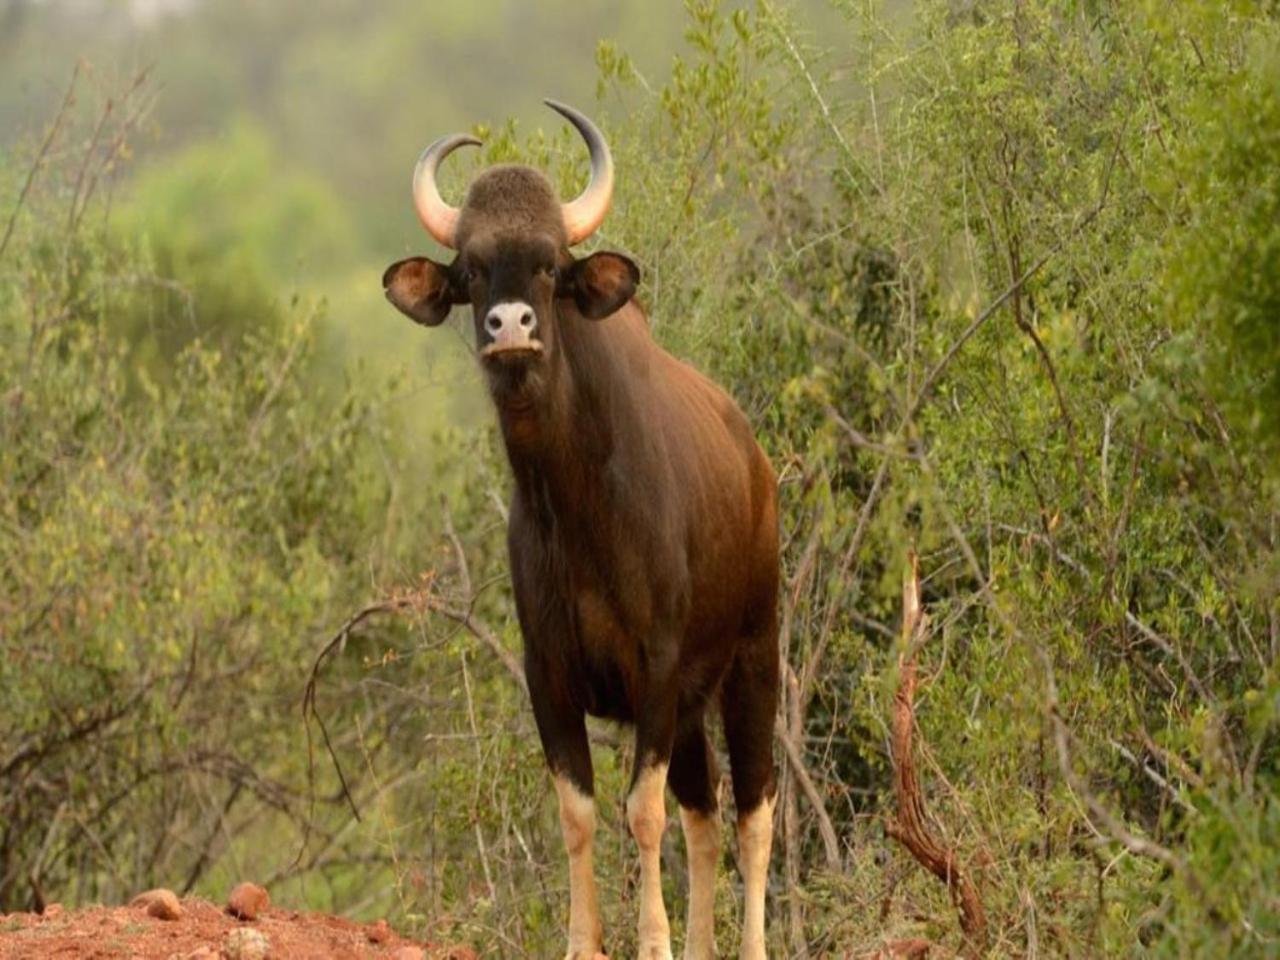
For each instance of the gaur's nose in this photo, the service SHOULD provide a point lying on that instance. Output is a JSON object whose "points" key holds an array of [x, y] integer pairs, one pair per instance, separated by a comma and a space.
{"points": [[510, 320], [510, 327]]}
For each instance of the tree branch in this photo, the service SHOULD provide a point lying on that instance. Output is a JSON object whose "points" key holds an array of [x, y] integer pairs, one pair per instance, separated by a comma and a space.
{"points": [[910, 826]]}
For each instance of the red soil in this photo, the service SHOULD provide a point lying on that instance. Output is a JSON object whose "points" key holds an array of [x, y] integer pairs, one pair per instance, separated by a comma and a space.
{"points": [[201, 934]]}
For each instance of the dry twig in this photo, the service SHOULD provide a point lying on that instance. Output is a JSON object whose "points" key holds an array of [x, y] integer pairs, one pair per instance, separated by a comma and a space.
{"points": [[910, 826]]}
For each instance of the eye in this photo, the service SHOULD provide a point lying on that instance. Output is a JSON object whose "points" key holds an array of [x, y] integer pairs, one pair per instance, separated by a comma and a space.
{"points": [[472, 273], [551, 271]]}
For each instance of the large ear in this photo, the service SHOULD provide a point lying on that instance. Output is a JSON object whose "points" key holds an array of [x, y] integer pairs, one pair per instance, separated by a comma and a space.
{"points": [[422, 290], [600, 284]]}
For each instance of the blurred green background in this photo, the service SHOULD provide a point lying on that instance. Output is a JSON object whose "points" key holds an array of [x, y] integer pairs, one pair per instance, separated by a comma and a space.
{"points": [[280, 137]]}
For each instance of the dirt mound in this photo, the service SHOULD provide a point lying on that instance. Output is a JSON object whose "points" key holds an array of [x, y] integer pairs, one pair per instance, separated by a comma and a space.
{"points": [[203, 931]]}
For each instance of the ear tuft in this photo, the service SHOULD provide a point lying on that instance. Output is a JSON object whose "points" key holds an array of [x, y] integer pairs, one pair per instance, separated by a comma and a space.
{"points": [[421, 290], [602, 283]]}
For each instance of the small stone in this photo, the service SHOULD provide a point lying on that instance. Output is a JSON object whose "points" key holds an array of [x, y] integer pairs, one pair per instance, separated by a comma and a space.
{"points": [[245, 943], [247, 901], [409, 953], [159, 903], [379, 932]]}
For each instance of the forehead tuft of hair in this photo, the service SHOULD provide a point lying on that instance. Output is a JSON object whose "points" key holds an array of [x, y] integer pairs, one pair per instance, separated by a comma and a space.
{"points": [[511, 198]]}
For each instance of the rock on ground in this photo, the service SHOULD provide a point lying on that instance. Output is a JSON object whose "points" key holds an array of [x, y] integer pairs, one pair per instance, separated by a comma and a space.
{"points": [[159, 903], [245, 943], [247, 901]]}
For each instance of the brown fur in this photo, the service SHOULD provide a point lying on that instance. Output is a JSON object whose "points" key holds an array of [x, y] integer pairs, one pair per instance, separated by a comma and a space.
{"points": [[644, 527], [514, 198]]}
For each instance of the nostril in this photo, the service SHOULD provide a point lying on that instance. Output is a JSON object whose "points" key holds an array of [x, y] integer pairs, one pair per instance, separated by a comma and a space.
{"points": [[528, 320], [493, 323]]}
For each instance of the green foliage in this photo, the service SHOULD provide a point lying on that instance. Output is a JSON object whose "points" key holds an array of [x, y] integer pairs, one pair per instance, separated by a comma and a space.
{"points": [[1223, 259], [169, 544], [228, 227]]}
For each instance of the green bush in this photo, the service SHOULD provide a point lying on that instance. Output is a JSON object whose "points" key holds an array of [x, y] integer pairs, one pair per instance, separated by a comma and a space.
{"points": [[179, 520]]}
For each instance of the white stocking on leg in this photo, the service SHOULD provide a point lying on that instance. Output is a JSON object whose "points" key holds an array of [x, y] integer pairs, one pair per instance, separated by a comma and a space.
{"points": [[755, 837], [702, 840], [578, 824], [647, 817]]}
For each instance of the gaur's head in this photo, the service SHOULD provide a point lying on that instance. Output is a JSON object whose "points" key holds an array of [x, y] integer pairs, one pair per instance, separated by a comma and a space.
{"points": [[512, 236]]}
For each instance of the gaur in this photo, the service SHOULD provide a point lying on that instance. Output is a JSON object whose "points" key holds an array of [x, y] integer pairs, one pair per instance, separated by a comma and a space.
{"points": [[643, 531]]}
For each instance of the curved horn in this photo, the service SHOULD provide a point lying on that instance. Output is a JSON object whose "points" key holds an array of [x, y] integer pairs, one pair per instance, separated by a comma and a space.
{"points": [[440, 219], [584, 215]]}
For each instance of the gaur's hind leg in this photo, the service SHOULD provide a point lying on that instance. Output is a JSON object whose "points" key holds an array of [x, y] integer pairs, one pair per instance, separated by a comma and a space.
{"points": [[694, 781], [748, 702]]}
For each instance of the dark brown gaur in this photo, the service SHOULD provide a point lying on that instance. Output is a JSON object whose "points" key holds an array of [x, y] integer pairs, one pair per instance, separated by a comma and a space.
{"points": [[643, 531]]}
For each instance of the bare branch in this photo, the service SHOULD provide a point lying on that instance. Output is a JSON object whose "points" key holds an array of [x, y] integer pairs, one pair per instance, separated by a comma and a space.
{"points": [[826, 829], [910, 826], [58, 118]]}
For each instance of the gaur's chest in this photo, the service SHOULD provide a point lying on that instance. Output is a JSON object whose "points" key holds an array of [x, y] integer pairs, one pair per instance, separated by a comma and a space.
{"points": [[603, 654]]}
